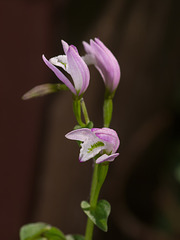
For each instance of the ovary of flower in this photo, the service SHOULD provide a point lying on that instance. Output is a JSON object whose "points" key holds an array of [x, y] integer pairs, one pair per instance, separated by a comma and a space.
{"points": [[73, 64], [103, 142], [105, 62]]}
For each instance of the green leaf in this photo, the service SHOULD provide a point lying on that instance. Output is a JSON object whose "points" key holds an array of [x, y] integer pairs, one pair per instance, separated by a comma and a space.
{"points": [[74, 237], [32, 230], [40, 231], [98, 215], [54, 234]]}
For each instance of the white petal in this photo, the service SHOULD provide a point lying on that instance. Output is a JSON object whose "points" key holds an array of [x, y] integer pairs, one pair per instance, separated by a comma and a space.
{"points": [[90, 148], [60, 61]]}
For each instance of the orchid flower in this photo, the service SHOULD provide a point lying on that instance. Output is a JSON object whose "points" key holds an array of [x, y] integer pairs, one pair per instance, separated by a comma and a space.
{"points": [[74, 65], [103, 59], [103, 142]]}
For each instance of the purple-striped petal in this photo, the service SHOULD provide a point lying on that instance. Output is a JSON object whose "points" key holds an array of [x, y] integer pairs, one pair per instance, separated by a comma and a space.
{"points": [[60, 75], [104, 61], [78, 70], [108, 135], [114, 63], [103, 65]]}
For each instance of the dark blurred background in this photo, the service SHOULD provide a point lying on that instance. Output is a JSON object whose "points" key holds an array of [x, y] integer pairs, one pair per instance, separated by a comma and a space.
{"points": [[41, 178]]}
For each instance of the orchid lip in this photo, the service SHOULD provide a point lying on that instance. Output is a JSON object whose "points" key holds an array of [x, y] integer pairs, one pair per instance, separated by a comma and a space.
{"points": [[92, 145]]}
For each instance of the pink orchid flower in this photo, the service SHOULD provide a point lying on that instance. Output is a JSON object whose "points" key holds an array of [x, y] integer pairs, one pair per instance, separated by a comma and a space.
{"points": [[74, 65], [101, 141], [105, 62]]}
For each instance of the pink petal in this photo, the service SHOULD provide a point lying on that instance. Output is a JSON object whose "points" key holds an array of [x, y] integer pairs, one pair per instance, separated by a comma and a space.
{"points": [[105, 62], [108, 135], [78, 70], [114, 63], [104, 65], [106, 157], [79, 134], [94, 129], [87, 47], [65, 46]]}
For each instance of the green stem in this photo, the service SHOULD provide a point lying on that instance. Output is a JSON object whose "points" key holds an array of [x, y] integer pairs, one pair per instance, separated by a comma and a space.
{"points": [[84, 110], [100, 170], [77, 111], [107, 111], [108, 107], [99, 175], [90, 224]]}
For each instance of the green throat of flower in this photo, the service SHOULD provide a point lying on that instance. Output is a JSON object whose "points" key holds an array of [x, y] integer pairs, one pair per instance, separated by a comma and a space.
{"points": [[95, 145], [63, 63]]}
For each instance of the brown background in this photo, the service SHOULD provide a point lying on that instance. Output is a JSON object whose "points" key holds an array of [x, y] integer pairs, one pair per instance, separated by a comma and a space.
{"points": [[40, 176]]}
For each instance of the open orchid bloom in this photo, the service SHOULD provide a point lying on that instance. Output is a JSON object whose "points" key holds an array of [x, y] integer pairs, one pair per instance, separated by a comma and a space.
{"points": [[103, 59], [73, 64], [101, 141]]}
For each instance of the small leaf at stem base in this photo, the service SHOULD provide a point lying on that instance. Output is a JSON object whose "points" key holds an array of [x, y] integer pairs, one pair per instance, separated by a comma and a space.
{"points": [[98, 215], [40, 231]]}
